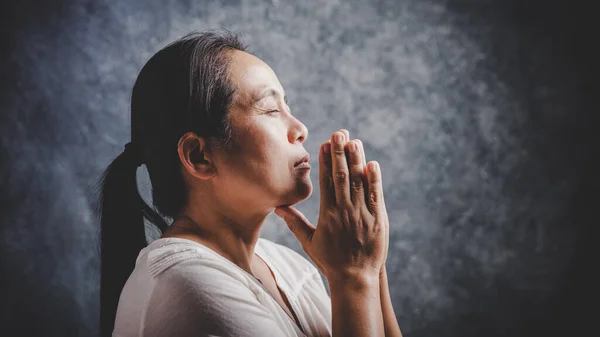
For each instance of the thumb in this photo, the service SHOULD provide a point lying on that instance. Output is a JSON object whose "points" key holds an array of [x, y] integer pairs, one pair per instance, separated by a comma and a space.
{"points": [[297, 223]]}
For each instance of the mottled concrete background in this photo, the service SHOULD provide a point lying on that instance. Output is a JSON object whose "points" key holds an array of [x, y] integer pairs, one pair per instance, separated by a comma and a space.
{"points": [[479, 112]]}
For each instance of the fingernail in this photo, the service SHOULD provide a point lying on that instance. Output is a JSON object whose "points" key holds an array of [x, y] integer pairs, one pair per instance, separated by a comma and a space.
{"points": [[338, 138], [327, 148], [373, 167], [352, 147]]}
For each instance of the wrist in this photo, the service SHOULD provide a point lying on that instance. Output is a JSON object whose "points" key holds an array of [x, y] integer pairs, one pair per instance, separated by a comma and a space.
{"points": [[358, 280]]}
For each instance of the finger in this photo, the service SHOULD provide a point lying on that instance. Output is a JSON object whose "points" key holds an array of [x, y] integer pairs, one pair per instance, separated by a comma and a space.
{"points": [[346, 135], [346, 141], [355, 168], [364, 169], [362, 153], [375, 191], [382, 194], [385, 222], [339, 169], [297, 223], [325, 176]]}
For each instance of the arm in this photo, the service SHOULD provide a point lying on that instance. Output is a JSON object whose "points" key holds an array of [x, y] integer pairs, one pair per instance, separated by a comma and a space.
{"points": [[355, 306], [392, 329]]}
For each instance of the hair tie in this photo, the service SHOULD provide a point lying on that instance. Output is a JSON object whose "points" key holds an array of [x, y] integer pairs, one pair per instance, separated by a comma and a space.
{"points": [[135, 151]]}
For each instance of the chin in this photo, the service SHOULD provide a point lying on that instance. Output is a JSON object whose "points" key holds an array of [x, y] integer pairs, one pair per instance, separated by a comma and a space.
{"points": [[301, 192]]}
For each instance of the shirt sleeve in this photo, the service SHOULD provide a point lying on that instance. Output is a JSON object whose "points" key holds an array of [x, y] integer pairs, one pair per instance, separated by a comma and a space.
{"points": [[195, 299]]}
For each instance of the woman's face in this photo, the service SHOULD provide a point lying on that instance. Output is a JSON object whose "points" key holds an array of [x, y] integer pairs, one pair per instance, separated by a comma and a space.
{"points": [[268, 140]]}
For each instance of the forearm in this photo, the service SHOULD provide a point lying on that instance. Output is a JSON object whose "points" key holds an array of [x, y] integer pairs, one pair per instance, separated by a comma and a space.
{"points": [[356, 307], [392, 329]]}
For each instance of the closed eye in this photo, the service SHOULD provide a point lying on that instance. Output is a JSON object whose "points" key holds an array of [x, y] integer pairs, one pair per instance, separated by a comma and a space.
{"points": [[272, 112]]}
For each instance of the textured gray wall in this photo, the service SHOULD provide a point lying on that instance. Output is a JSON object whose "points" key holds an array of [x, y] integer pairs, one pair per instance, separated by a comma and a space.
{"points": [[479, 113]]}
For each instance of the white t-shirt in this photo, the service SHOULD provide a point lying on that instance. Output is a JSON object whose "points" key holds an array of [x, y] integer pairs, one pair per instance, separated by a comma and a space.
{"points": [[182, 288]]}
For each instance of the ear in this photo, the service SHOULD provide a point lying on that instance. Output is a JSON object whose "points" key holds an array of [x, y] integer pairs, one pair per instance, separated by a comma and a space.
{"points": [[195, 156]]}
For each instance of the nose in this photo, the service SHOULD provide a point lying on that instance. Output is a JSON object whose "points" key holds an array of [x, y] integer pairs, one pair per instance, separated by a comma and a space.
{"points": [[298, 132]]}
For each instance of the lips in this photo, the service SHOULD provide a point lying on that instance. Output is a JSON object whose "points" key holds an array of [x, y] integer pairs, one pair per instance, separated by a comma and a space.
{"points": [[304, 159]]}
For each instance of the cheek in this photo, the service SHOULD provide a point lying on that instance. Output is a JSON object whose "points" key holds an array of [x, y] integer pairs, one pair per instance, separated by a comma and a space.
{"points": [[262, 150], [267, 146], [271, 161], [269, 166], [255, 162]]}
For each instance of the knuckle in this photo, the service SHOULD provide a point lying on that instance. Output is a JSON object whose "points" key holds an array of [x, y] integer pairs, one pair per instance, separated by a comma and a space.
{"points": [[357, 182], [347, 205], [339, 152], [373, 197], [366, 211], [340, 176], [332, 216], [376, 227], [345, 217]]}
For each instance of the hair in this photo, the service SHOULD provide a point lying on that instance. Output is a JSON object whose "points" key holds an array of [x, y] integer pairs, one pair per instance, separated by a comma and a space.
{"points": [[182, 88]]}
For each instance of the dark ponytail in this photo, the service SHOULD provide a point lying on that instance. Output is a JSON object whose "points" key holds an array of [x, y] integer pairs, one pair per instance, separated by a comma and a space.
{"points": [[182, 88]]}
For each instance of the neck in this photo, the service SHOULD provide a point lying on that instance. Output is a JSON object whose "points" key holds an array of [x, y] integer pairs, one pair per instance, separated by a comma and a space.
{"points": [[229, 239]]}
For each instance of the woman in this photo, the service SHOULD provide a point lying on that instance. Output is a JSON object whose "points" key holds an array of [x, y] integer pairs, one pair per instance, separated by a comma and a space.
{"points": [[223, 150]]}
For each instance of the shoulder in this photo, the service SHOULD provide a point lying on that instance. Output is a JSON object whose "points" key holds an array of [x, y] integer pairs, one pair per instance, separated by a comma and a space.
{"points": [[202, 281], [205, 297], [197, 292], [164, 254]]}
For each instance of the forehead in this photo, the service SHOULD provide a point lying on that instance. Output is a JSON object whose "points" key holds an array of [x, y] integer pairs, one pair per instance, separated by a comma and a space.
{"points": [[251, 77]]}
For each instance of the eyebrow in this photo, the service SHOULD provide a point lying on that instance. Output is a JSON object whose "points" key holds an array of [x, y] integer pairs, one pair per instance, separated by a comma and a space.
{"points": [[269, 92]]}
